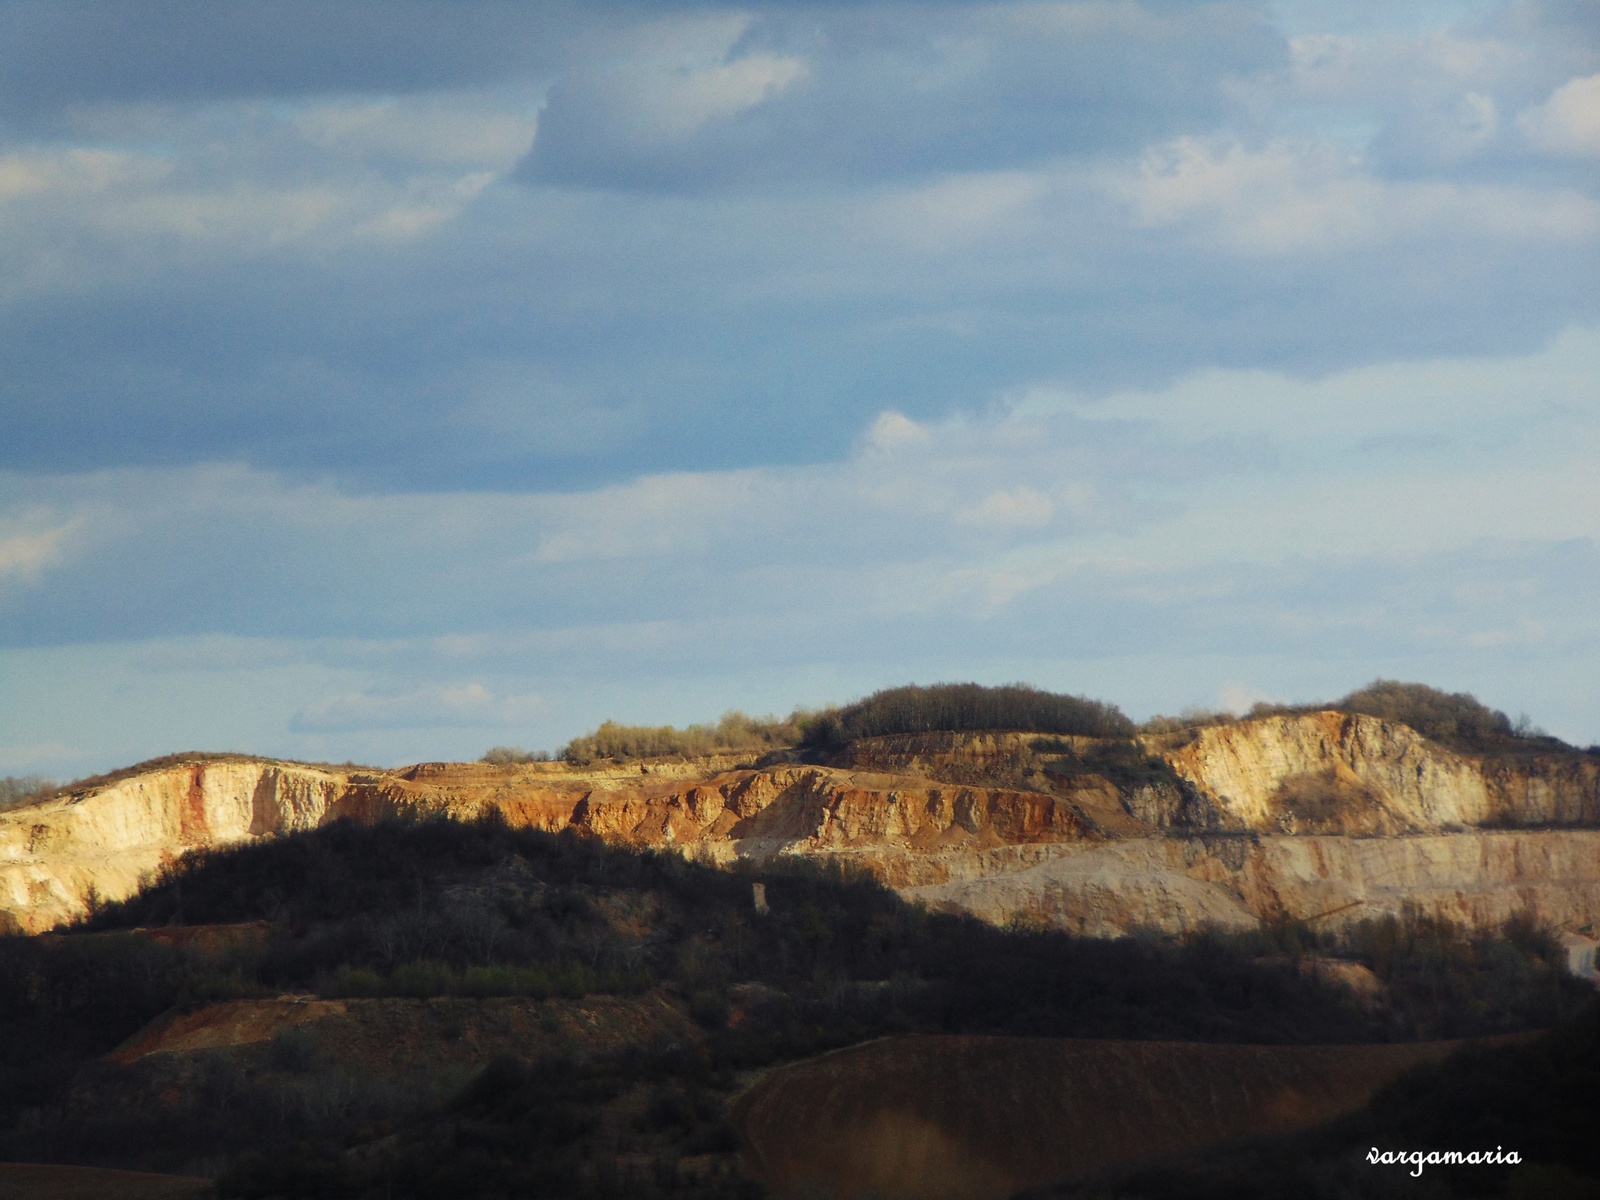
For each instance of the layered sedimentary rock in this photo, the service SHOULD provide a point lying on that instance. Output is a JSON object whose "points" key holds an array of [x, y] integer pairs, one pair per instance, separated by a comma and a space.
{"points": [[1325, 816], [58, 857], [1334, 772], [1176, 883]]}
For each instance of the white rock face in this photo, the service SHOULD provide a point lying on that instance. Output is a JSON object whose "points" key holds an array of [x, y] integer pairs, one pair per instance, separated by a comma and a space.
{"points": [[52, 854], [1176, 884], [1324, 817], [1370, 776]]}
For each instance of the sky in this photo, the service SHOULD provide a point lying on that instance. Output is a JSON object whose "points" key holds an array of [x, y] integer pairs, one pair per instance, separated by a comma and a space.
{"points": [[385, 380]]}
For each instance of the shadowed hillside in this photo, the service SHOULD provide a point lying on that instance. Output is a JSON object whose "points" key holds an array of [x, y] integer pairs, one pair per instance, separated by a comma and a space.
{"points": [[969, 1118], [310, 1025], [1537, 1099]]}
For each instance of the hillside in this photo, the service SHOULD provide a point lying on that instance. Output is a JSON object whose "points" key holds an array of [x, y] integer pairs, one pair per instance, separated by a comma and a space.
{"points": [[1321, 816], [439, 1008], [961, 1118], [1527, 1109]]}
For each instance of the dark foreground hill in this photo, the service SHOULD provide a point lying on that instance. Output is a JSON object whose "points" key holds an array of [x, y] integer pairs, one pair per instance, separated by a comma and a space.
{"points": [[444, 1008], [1515, 1121]]}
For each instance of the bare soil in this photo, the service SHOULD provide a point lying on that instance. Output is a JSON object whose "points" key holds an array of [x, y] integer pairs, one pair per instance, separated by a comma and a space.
{"points": [[29, 1181], [979, 1118]]}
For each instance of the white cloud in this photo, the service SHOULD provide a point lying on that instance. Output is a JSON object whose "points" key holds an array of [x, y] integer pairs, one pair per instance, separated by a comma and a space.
{"points": [[1568, 123], [687, 101], [1442, 402], [1021, 508], [22, 758], [26, 556], [469, 706], [430, 203], [450, 129], [1238, 698], [956, 212], [662, 82], [1314, 199], [894, 431], [236, 182]]}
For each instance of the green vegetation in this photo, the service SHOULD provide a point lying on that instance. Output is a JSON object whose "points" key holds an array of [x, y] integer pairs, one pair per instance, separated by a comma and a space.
{"points": [[733, 733], [962, 707]]}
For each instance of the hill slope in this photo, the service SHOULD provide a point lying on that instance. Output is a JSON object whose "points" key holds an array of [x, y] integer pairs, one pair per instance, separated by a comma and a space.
{"points": [[1315, 816]]}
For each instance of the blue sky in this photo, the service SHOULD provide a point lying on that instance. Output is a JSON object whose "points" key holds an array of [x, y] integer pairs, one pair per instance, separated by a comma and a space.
{"points": [[391, 380]]}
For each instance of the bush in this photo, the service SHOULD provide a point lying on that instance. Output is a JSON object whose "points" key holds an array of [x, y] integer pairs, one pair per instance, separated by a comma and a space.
{"points": [[17, 790], [961, 707], [1452, 717], [735, 731], [1457, 719], [504, 755]]}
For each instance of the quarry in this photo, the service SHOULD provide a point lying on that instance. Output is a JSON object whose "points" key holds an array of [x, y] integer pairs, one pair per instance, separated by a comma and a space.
{"points": [[382, 998], [1324, 817]]}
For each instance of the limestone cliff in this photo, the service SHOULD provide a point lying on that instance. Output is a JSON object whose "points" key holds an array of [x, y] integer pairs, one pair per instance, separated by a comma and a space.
{"points": [[1324, 816], [1333, 772], [57, 854]]}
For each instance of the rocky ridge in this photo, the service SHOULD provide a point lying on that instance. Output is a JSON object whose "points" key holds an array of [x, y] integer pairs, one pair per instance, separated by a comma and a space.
{"points": [[1322, 816]]}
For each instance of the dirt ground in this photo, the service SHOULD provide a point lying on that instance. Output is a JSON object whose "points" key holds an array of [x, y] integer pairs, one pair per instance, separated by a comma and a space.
{"points": [[387, 1035], [979, 1118], [26, 1181]]}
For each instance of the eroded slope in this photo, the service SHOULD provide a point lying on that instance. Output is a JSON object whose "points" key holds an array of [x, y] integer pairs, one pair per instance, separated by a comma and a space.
{"points": [[1326, 816]]}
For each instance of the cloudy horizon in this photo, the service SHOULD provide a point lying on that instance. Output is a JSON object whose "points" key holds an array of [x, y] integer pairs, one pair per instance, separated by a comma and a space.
{"points": [[389, 381]]}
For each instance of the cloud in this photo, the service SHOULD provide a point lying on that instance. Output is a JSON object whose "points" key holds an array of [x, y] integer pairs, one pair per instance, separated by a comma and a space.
{"points": [[923, 516], [25, 557], [379, 350], [1022, 507], [1238, 699], [463, 706], [954, 213], [763, 228], [1568, 123], [1288, 198], [20, 758], [894, 431], [901, 90], [464, 129], [54, 56]]}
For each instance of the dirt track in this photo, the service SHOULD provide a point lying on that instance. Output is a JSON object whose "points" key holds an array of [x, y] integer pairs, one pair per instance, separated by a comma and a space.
{"points": [[979, 1118]]}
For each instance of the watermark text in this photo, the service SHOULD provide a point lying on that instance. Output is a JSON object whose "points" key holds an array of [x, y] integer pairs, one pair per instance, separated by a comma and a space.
{"points": [[1444, 1158]]}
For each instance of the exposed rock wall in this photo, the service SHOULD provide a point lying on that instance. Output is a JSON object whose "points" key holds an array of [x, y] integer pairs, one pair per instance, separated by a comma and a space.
{"points": [[53, 854], [1333, 772], [1326, 816], [1330, 772], [1174, 883]]}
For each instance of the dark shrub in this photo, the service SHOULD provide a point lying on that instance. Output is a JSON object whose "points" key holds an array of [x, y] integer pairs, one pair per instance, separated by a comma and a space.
{"points": [[1455, 718], [959, 707]]}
